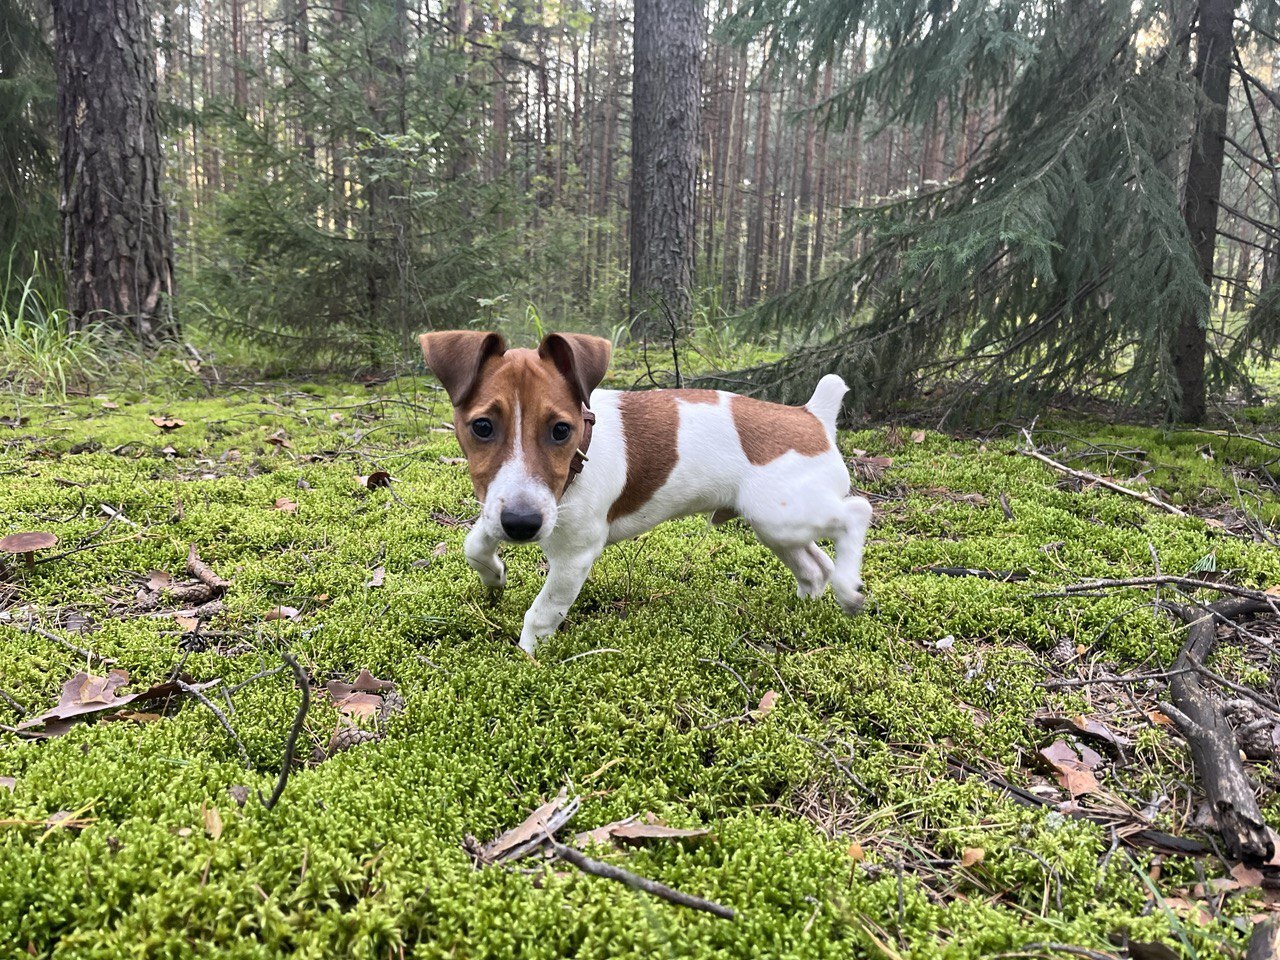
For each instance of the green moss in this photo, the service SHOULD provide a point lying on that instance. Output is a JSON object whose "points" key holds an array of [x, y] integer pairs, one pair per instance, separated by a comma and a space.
{"points": [[363, 854]]}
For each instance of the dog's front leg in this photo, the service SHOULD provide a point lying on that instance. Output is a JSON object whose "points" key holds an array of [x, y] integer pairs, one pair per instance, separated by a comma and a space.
{"points": [[481, 550], [567, 573]]}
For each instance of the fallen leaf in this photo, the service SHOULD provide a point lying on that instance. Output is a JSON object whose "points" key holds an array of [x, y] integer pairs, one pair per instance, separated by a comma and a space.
{"points": [[377, 576], [187, 624], [158, 580], [440, 549], [85, 694], [636, 833], [279, 439], [212, 821], [8, 783], [1246, 876], [379, 478], [136, 716], [767, 703], [972, 855], [168, 423], [286, 505], [109, 405], [1159, 719], [546, 819], [283, 613], [1073, 769], [366, 682], [321, 598], [869, 468], [1084, 727], [917, 436], [336, 418]]}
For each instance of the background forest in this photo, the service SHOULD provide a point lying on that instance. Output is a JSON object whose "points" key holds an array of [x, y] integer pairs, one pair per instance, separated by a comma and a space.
{"points": [[993, 200]]}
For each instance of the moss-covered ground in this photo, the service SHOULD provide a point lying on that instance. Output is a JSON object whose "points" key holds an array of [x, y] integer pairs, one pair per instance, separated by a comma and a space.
{"points": [[838, 832]]}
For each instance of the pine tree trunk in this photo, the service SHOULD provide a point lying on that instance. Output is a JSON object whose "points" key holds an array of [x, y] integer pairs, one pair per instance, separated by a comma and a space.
{"points": [[1200, 201], [666, 100], [117, 248], [755, 238]]}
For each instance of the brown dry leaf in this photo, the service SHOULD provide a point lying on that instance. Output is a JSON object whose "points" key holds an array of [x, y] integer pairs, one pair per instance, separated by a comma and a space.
{"points": [[212, 821], [637, 833], [534, 825], [136, 716], [379, 478], [283, 613], [1247, 876], [917, 436], [1085, 727], [1073, 768], [8, 783], [1273, 591], [336, 418], [440, 549], [972, 855], [1159, 719], [187, 624], [856, 853], [286, 505], [376, 577], [602, 835], [85, 694], [359, 704], [767, 703], [321, 598], [110, 405], [168, 423], [279, 439], [366, 682], [158, 580]]}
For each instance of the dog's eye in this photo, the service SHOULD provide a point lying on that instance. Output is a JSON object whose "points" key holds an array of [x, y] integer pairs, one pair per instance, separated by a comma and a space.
{"points": [[482, 428], [561, 432]]}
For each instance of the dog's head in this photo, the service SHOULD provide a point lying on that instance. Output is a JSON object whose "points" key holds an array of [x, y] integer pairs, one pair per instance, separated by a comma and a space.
{"points": [[518, 416]]}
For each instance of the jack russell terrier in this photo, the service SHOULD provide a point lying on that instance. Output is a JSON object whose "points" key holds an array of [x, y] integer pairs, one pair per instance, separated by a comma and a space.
{"points": [[526, 418]]}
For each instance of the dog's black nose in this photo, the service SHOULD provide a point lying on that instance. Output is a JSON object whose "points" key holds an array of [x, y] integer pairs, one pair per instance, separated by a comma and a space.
{"points": [[521, 524]]}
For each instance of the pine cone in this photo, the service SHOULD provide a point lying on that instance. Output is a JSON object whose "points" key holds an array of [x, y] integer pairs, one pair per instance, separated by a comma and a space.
{"points": [[392, 705], [344, 738]]}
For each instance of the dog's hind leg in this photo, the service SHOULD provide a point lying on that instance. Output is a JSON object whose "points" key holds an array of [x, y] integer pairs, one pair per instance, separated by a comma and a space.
{"points": [[850, 535], [811, 567]]}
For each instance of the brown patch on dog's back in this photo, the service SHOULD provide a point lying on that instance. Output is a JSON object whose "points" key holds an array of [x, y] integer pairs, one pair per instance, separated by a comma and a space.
{"points": [[650, 427], [768, 430], [695, 396]]}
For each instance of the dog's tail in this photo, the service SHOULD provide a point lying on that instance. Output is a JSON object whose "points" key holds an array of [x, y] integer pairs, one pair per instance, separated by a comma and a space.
{"points": [[826, 400]]}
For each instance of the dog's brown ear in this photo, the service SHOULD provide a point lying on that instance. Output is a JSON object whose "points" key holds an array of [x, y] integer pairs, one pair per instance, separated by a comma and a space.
{"points": [[456, 357], [582, 359]]}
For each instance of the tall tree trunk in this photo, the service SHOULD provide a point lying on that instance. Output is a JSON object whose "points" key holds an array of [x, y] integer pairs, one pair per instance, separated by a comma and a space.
{"points": [[755, 239], [820, 213], [117, 248], [729, 275], [1200, 201], [666, 101]]}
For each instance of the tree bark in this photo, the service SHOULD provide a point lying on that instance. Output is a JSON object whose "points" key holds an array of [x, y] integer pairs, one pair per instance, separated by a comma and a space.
{"points": [[755, 237], [666, 100], [1200, 201], [117, 246]]}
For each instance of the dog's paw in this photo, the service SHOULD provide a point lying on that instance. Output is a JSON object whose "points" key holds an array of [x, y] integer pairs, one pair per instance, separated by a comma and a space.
{"points": [[492, 572], [852, 603], [529, 644]]}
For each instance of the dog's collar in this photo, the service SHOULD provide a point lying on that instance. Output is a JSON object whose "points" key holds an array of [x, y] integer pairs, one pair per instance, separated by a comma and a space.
{"points": [[580, 454]]}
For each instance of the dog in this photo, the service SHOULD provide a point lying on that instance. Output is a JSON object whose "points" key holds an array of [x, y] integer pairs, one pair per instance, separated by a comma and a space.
{"points": [[557, 462]]}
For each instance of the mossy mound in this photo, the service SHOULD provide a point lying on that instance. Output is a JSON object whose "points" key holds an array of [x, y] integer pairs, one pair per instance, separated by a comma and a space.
{"points": [[647, 700]]}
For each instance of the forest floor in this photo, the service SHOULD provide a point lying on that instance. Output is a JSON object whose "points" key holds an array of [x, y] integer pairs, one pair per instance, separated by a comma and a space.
{"points": [[853, 773]]}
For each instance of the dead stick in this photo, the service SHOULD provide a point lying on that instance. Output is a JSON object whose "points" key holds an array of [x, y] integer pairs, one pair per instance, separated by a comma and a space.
{"points": [[202, 572], [293, 733], [1165, 580], [1087, 477], [1264, 943], [87, 654], [598, 868], [1198, 716], [222, 718]]}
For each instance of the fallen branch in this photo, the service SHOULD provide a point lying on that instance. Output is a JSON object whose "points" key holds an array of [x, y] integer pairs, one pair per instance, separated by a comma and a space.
{"points": [[1199, 718], [298, 719], [1003, 576], [1085, 477], [222, 718], [202, 572], [1188, 583], [1140, 837], [608, 871], [87, 654]]}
